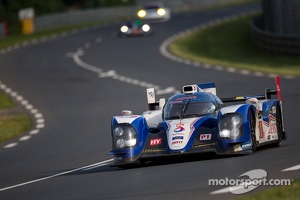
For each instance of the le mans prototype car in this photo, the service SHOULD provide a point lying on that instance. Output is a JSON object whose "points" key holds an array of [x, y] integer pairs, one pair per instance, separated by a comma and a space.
{"points": [[197, 121], [135, 28], [154, 11]]}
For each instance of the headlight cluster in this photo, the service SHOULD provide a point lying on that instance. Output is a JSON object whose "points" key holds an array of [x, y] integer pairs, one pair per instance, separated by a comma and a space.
{"points": [[124, 135], [161, 12], [231, 126], [141, 13], [146, 28], [124, 29]]}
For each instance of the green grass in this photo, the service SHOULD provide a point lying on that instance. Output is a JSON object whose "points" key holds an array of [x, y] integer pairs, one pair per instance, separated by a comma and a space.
{"points": [[229, 44], [5, 101], [291, 192], [12, 125]]}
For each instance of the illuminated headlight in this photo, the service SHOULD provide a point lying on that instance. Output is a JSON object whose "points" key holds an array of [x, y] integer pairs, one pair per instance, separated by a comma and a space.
{"points": [[141, 13], [124, 135], [124, 29], [146, 28], [231, 126], [161, 12]]}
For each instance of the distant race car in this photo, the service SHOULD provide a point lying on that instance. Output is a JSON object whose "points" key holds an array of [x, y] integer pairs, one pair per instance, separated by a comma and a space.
{"points": [[154, 11], [197, 121], [135, 28]]}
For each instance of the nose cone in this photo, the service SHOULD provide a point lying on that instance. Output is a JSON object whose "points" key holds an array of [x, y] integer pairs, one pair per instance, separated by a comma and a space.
{"points": [[179, 132]]}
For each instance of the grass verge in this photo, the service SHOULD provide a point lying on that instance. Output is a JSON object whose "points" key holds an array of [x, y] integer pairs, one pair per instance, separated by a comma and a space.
{"points": [[229, 44], [291, 192], [5, 102], [12, 123]]}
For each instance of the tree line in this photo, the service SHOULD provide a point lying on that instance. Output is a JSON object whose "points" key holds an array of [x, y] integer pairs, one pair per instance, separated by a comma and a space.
{"points": [[9, 9]]}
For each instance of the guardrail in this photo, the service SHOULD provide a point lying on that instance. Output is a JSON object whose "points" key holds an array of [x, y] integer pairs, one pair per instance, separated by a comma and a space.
{"points": [[273, 42], [72, 18]]}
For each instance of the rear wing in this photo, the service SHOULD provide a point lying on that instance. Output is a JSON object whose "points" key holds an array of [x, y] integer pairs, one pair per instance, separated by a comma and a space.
{"points": [[268, 94]]}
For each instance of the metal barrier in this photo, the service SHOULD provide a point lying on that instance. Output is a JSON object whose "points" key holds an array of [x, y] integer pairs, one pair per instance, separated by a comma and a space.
{"points": [[273, 42], [72, 18], [2, 30]]}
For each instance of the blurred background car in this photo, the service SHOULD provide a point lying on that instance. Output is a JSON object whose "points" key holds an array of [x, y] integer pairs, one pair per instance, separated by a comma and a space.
{"points": [[135, 28], [155, 11]]}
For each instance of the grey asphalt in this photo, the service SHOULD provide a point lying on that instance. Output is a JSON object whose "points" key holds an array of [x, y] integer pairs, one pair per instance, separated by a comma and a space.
{"points": [[77, 107]]}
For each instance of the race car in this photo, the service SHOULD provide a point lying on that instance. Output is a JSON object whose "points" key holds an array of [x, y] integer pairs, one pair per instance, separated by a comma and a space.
{"points": [[196, 121], [154, 11], [135, 28]]}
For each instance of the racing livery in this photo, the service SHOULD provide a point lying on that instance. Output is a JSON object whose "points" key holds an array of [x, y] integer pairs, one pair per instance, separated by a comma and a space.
{"points": [[197, 121]]}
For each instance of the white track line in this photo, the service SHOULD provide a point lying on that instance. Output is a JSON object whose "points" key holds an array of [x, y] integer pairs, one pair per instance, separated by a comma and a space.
{"points": [[164, 48], [113, 74], [39, 120], [103, 163], [297, 167]]}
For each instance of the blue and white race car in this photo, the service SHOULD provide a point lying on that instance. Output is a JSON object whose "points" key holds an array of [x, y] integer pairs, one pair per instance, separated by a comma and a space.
{"points": [[197, 121]]}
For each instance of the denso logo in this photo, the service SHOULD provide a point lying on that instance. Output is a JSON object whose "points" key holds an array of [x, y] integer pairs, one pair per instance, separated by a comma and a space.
{"points": [[179, 128], [156, 141], [177, 142]]}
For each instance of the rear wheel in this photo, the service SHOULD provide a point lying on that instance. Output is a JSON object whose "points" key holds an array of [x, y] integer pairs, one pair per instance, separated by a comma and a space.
{"points": [[279, 126], [252, 132]]}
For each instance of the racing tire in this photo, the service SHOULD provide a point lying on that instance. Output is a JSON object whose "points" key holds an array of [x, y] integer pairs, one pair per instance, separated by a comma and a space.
{"points": [[252, 132], [279, 126], [137, 164]]}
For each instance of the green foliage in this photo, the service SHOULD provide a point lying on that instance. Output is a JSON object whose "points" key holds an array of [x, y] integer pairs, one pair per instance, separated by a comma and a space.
{"points": [[291, 192], [9, 8], [106, 3]]}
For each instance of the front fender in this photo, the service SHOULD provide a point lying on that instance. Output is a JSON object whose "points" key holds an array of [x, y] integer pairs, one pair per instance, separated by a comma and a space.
{"points": [[142, 129]]}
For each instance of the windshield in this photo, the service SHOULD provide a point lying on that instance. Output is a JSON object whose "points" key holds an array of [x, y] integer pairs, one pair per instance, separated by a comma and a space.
{"points": [[188, 109]]}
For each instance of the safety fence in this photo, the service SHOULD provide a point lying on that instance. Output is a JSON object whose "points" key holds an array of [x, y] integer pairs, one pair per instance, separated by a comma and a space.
{"points": [[274, 42]]}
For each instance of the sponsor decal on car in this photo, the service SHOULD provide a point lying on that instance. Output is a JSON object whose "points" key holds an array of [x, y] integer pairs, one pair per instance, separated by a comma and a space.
{"points": [[205, 137], [177, 142], [155, 141], [179, 128], [177, 138]]}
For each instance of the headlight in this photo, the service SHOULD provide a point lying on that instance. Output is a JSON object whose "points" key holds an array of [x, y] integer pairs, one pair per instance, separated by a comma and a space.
{"points": [[161, 11], [118, 131], [124, 135], [231, 126], [146, 28], [124, 29], [141, 13]]}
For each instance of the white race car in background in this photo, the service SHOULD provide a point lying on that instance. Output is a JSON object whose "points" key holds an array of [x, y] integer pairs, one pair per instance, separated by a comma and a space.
{"points": [[154, 11]]}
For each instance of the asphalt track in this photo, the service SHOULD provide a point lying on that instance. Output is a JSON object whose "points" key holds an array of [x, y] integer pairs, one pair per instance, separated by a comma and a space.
{"points": [[77, 81]]}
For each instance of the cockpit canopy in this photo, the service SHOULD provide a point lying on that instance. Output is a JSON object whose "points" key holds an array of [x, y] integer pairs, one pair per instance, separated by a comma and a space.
{"points": [[195, 105]]}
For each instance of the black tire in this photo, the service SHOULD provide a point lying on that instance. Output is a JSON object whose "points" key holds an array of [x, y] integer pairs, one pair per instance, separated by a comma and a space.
{"points": [[279, 125], [252, 132]]}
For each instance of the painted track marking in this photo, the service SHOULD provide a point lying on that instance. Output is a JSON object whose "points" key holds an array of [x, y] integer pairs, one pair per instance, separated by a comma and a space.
{"points": [[88, 167], [164, 49]]}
